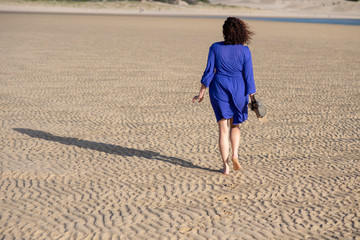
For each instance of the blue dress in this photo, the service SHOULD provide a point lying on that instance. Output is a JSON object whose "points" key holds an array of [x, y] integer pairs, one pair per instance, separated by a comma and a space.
{"points": [[230, 78]]}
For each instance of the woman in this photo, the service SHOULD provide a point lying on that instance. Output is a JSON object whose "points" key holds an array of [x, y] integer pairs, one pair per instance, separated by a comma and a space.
{"points": [[229, 76]]}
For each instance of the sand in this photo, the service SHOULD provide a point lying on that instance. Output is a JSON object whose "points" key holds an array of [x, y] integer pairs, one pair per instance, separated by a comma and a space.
{"points": [[100, 140]]}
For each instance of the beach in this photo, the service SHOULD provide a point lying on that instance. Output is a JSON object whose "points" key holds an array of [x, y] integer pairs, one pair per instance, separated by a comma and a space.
{"points": [[100, 140]]}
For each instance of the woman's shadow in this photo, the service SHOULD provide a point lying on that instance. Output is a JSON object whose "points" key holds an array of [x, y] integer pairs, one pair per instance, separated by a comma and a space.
{"points": [[109, 148]]}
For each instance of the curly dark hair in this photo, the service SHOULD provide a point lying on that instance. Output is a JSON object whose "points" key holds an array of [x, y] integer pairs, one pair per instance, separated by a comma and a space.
{"points": [[236, 31]]}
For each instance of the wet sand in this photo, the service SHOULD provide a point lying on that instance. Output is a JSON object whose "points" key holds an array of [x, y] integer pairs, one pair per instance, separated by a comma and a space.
{"points": [[99, 138]]}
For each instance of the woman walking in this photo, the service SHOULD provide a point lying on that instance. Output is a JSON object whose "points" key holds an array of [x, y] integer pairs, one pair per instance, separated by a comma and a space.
{"points": [[229, 76]]}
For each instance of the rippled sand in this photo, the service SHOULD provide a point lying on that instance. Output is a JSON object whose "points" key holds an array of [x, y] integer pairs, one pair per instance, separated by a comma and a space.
{"points": [[99, 138]]}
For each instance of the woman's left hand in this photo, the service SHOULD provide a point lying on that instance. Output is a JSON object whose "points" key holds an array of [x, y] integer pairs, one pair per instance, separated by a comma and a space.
{"points": [[201, 94], [198, 97]]}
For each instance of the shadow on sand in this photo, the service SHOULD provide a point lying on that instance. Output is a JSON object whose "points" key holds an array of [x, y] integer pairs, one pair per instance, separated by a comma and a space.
{"points": [[109, 148]]}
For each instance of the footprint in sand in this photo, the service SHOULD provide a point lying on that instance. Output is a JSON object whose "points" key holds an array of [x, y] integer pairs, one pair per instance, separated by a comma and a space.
{"points": [[227, 213], [223, 198], [230, 185], [184, 230]]}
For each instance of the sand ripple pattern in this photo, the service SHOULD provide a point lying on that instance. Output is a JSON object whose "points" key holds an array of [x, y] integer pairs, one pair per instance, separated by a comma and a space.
{"points": [[99, 138]]}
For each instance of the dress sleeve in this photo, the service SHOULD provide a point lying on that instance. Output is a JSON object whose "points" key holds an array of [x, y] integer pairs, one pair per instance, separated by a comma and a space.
{"points": [[248, 73], [209, 70]]}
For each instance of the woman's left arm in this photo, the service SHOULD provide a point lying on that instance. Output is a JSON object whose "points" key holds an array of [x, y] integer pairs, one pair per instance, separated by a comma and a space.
{"points": [[207, 76]]}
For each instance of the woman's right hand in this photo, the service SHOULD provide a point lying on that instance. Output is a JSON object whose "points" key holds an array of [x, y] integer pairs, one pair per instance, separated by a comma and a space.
{"points": [[252, 97]]}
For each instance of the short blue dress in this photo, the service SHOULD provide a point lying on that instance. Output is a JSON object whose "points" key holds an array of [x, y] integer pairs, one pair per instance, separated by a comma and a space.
{"points": [[230, 78]]}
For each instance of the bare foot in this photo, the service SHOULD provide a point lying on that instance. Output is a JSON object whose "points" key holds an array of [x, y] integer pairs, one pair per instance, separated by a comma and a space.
{"points": [[236, 164], [226, 169]]}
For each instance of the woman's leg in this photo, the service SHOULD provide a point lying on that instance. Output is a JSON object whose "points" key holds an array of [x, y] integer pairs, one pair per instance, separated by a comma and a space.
{"points": [[224, 144], [235, 143]]}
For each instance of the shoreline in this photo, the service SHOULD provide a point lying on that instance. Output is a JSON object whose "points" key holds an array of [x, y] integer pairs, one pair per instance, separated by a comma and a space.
{"points": [[311, 20], [160, 9]]}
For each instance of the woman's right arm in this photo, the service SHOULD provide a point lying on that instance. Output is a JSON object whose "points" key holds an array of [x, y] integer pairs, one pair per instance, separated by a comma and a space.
{"points": [[249, 74]]}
